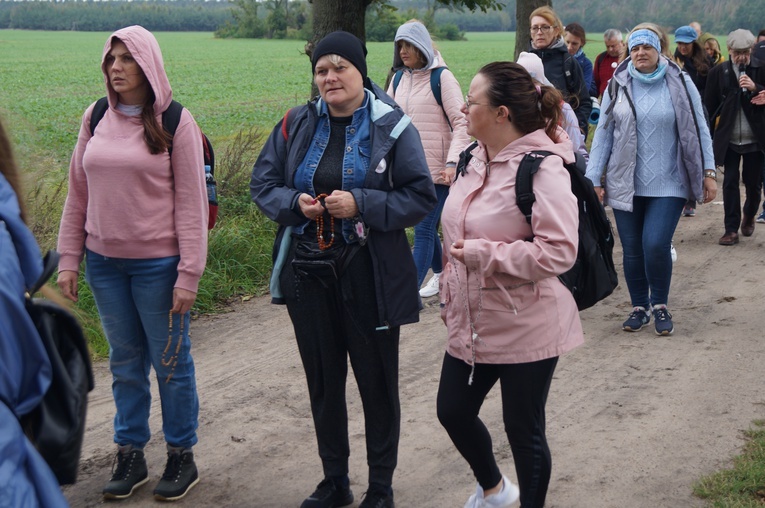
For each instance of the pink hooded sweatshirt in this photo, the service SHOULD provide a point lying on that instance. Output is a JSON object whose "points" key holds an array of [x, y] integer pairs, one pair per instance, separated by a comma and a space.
{"points": [[124, 202], [521, 311]]}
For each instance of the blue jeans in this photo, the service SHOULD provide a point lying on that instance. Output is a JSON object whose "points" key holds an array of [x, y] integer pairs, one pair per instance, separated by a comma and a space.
{"points": [[134, 298], [427, 243], [646, 235]]}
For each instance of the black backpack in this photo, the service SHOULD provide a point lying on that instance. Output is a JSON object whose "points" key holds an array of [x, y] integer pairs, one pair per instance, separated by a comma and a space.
{"points": [[593, 276], [56, 427], [171, 117]]}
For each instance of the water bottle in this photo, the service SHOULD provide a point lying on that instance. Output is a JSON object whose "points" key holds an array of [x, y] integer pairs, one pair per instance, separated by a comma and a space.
{"points": [[212, 191], [595, 114]]}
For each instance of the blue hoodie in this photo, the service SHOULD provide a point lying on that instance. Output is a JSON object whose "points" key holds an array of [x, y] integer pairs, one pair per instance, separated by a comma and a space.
{"points": [[25, 371]]}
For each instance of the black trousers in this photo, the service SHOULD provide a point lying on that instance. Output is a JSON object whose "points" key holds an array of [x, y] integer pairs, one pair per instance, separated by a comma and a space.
{"points": [[524, 394], [752, 176], [334, 321]]}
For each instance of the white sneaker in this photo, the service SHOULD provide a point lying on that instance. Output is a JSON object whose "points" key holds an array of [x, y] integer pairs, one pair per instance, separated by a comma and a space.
{"points": [[431, 288], [672, 252], [502, 499]]}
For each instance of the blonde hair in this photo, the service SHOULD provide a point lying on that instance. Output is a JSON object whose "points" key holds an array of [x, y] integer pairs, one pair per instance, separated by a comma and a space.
{"points": [[715, 47], [546, 12]]}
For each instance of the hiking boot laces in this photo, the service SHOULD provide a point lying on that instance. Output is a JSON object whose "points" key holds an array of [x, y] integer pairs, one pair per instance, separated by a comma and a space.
{"points": [[122, 462], [173, 467]]}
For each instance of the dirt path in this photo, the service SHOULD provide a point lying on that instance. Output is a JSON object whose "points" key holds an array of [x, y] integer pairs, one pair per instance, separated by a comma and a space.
{"points": [[633, 419]]}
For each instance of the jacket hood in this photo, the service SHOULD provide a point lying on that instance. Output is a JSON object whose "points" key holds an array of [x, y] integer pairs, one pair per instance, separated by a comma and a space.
{"points": [[537, 140], [417, 35], [622, 73], [557, 45], [24, 241], [145, 50]]}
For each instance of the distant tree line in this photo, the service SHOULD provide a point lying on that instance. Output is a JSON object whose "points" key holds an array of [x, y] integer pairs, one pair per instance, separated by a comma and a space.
{"points": [[715, 16], [271, 19], [159, 15], [292, 19]]}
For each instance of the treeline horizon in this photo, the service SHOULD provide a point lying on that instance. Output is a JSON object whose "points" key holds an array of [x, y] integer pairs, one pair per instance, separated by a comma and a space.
{"points": [[211, 16]]}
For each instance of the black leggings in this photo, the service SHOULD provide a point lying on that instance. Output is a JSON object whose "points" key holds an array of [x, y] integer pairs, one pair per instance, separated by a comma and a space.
{"points": [[334, 322], [524, 393]]}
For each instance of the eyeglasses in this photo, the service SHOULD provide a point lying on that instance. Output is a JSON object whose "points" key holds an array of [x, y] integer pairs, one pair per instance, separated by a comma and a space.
{"points": [[543, 28], [469, 103]]}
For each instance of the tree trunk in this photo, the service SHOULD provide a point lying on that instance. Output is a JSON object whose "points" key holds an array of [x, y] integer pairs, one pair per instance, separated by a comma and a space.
{"points": [[332, 15], [523, 10]]}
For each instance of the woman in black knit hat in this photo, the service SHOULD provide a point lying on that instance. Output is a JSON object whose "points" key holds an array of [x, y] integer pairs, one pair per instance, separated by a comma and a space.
{"points": [[343, 176]]}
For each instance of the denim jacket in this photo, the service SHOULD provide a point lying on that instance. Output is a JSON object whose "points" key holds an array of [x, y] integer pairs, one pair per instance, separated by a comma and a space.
{"points": [[355, 160], [396, 191]]}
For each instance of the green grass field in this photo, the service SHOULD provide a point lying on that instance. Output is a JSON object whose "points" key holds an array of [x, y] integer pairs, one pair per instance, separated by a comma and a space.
{"points": [[49, 78]]}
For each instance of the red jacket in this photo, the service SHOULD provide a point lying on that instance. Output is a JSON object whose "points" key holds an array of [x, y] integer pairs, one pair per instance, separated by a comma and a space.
{"points": [[602, 70]]}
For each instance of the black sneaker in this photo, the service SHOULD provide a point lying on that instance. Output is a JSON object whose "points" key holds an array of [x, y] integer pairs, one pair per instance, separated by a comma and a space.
{"points": [[638, 318], [179, 476], [663, 320], [378, 497], [328, 495], [129, 472]]}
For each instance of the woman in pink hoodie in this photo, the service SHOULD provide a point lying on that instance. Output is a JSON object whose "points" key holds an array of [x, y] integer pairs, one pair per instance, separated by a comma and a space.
{"points": [[441, 128], [136, 210], [508, 316]]}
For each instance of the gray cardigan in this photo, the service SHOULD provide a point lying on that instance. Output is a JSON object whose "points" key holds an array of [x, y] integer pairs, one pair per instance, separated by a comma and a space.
{"points": [[693, 137]]}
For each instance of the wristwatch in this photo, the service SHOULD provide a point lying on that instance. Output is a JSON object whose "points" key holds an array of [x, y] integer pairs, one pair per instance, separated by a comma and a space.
{"points": [[710, 173]]}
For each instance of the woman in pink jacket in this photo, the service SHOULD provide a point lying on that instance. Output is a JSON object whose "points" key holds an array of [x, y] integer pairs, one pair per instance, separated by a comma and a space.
{"points": [[508, 316], [137, 213], [441, 127]]}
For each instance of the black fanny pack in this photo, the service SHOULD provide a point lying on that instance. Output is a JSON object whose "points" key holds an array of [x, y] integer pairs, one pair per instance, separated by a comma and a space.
{"points": [[326, 265]]}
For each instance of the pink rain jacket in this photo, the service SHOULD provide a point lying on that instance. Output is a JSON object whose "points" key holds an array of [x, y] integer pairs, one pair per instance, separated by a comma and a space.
{"points": [[521, 311]]}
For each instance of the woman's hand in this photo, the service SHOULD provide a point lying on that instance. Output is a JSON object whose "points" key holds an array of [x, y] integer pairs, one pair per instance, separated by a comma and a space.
{"points": [[183, 299], [341, 204], [448, 174], [601, 192], [310, 206], [710, 189], [457, 250], [67, 283]]}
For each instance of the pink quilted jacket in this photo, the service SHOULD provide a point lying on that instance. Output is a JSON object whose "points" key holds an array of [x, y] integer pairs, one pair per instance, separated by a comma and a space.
{"points": [[415, 97]]}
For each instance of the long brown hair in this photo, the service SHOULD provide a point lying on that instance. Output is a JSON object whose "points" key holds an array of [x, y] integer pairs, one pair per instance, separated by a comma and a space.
{"points": [[156, 137], [8, 168], [698, 56], [511, 85]]}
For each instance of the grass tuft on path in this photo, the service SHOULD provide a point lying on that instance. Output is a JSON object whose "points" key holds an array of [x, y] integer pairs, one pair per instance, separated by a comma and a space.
{"points": [[742, 486]]}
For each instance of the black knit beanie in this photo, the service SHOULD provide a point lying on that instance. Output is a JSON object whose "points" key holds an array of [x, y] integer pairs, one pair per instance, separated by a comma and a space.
{"points": [[345, 45]]}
